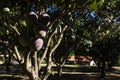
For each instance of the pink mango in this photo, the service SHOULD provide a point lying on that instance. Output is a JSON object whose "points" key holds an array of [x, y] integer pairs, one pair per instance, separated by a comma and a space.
{"points": [[38, 44]]}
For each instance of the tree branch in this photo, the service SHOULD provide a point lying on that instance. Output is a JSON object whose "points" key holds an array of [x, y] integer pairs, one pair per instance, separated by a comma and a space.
{"points": [[59, 40], [48, 43], [17, 54], [14, 28], [27, 55]]}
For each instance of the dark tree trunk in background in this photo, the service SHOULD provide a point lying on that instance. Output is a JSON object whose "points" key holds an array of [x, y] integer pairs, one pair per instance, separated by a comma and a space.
{"points": [[7, 62], [60, 67], [103, 68], [98, 65], [110, 66], [60, 70]]}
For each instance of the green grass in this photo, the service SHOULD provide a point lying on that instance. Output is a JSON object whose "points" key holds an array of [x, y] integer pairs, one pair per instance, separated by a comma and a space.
{"points": [[70, 72], [12, 77]]}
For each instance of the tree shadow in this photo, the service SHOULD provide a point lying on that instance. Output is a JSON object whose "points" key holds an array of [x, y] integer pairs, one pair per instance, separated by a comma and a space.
{"points": [[15, 73], [69, 73], [10, 78], [85, 73], [82, 77]]}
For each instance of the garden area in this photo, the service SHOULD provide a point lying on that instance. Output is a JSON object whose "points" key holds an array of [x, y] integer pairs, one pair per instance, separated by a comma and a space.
{"points": [[59, 40]]}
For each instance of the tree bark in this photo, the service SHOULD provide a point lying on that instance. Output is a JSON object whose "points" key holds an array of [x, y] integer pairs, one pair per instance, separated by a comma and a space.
{"points": [[7, 62], [48, 71], [103, 69], [60, 70], [32, 70], [49, 62]]}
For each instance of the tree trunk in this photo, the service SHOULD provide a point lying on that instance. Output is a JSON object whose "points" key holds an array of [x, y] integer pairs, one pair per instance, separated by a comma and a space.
{"points": [[47, 72], [60, 71], [33, 76], [110, 66], [32, 70], [103, 69], [48, 68], [60, 67], [98, 65], [7, 62], [112, 62]]}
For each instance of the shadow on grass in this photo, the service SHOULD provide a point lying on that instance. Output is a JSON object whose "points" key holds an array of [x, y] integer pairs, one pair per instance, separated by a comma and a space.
{"points": [[75, 69], [85, 73], [69, 73], [10, 78], [82, 77]]}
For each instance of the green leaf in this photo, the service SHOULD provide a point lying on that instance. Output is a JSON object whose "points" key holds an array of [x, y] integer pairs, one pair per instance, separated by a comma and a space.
{"points": [[69, 6], [93, 6], [101, 3], [23, 23], [74, 5]]}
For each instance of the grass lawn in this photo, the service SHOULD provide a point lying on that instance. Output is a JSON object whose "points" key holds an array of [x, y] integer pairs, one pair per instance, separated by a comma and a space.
{"points": [[70, 72]]}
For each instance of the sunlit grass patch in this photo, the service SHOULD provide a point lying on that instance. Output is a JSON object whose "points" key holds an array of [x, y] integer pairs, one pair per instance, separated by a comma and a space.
{"points": [[13, 77]]}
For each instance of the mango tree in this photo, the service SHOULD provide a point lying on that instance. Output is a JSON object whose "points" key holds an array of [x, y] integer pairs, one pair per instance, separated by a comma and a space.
{"points": [[26, 23]]}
